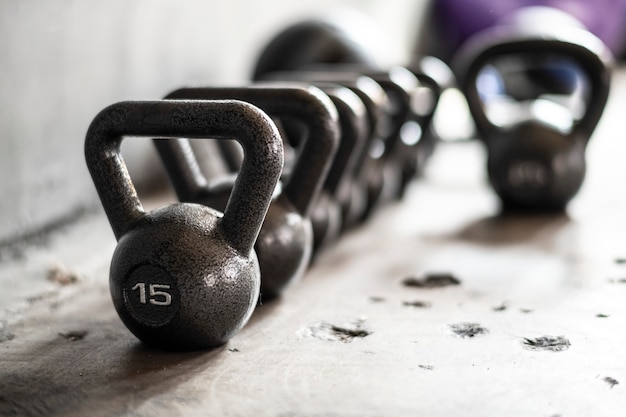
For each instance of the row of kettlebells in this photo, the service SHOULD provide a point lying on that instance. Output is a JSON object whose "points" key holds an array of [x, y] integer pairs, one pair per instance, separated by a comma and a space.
{"points": [[326, 139], [188, 276]]}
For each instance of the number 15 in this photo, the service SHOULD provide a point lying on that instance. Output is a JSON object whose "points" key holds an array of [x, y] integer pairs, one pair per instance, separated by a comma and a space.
{"points": [[157, 296]]}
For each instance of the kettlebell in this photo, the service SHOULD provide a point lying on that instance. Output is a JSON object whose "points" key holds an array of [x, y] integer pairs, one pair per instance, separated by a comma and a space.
{"points": [[325, 44], [184, 276], [401, 134], [536, 95], [446, 24], [365, 181], [285, 243], [314, 41], [435, 77], [404, 134], [354, 138], [332, 208]]}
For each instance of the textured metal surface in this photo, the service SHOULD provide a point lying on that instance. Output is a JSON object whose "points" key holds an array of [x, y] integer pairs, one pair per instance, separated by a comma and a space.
{"points": [[556, 158], [336, 201], [368, 177], [403, 137], [320, 45], [285, 243], [193, 270], [305, 103], [339, 184]]}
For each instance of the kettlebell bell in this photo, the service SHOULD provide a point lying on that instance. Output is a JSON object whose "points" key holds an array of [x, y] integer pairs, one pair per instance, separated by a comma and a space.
{"points": [[184, 276], [536, 95], [285, 243]]}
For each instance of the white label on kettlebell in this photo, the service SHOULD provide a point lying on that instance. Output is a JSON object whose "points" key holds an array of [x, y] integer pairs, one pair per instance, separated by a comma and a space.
{"points": [[158, 297], [151, 295], [528, 174]]}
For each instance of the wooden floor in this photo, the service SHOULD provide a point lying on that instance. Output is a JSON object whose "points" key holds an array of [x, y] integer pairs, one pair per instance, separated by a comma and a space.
{"points": [[535, 327]]}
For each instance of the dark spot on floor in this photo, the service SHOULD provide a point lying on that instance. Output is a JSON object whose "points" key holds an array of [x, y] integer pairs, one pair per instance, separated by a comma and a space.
{"points": [[602, 316], [525, 310], [618, 280], [468, 329], [501, 307], [335, 333], [233, 350], [41, 297], [74, 335], [549, 343], [349, 333], [620, 260], [432, 280], [5, 334], [375, 299], [416, 304], [61, 275], [611, 381], [426, 367]]}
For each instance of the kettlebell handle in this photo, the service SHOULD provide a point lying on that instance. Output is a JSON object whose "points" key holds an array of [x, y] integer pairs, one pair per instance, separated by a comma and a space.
{"points": [[581, 46], [307, 104], [228, 119], [179, 159]]}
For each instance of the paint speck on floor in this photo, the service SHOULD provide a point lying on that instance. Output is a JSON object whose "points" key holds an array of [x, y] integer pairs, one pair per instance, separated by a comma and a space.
{"points": [[432, 280], [547, 343], [468, 329], [334, 333]]}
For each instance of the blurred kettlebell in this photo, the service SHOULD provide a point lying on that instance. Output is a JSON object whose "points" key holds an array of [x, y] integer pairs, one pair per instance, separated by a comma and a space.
{"points": [[365, 179], [285, 243], [315, 41], [324, 45], [328, 44], [330, 213], [536, 92], [446, 24], [184, 276]]}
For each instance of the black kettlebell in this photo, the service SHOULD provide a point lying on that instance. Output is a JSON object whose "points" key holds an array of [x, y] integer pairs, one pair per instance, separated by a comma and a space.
{"points": [[185, 276], [285, 243], [536, 95], [314, 41], [435, 77], [403, 134], [335, 203], [324, 44], [354, 138], [365, 178]]}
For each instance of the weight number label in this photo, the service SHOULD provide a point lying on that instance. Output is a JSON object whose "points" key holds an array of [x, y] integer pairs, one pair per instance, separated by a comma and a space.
{"points": [[528, 174], [156, 294], [151, 296]]}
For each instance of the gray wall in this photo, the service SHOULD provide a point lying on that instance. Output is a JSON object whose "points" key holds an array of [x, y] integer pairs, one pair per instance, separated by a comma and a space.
{"points": [[61, 61]]}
